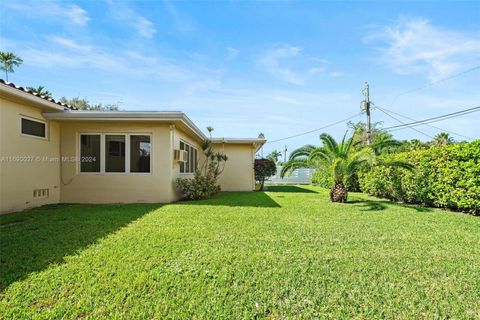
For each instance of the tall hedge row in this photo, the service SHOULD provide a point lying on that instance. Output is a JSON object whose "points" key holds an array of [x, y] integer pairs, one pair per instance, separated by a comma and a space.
{"points": [[445, 177]]}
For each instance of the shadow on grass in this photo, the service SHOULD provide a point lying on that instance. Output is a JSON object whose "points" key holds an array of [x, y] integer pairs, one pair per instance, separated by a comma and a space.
{"points": [[379, 205], [33, 239], [237, 199], [289, 188]]}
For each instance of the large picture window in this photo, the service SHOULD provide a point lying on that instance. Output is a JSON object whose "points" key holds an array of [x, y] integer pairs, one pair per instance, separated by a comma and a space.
{"points": [[191, 164], [90, 153], [115, 153], [34, 128]]}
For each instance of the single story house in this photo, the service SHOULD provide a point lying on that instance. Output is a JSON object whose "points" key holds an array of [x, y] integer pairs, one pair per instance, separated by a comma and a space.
{"points": [[53, 153]]}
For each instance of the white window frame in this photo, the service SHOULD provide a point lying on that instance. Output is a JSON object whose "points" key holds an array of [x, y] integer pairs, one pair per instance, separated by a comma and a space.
{"points": [[103, 149], [191, 146], [22, 116]]}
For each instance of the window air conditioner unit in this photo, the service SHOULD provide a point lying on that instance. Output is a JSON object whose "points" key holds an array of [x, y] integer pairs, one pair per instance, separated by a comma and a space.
{"points": [[180, 155]]}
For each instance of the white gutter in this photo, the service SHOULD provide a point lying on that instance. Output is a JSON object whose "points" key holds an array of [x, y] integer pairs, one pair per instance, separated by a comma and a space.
{"points": [[30, 97], [125, 116]]}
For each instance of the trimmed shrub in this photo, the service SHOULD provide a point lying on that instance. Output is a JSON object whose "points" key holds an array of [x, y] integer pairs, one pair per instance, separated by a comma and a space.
{"points": [[445, 177], [199, 187]]}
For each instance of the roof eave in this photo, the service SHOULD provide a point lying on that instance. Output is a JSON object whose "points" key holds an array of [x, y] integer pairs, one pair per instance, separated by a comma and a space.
{"points": [[126, 116]]}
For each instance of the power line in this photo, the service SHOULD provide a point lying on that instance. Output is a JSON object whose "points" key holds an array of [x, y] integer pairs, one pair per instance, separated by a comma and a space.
{"points": [[437, 118], [431, 84], [429, 125], [315, 130], [384, 111]]}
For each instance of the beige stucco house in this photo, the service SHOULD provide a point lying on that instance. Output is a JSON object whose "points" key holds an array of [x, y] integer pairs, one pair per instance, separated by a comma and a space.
{"points": [[52, 153]]}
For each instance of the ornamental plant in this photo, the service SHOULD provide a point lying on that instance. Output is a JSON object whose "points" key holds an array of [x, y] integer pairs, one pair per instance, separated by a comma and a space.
{"points": [[204, 183], [264, 169], [340, 161]]}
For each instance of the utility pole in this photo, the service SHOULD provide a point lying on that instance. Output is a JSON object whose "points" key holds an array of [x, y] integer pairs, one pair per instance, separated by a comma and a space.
{"points": [[285, 154], [365, 106]]}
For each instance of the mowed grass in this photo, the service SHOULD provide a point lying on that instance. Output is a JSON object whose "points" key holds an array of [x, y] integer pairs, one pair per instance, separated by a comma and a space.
{"points": [[285, 253]]}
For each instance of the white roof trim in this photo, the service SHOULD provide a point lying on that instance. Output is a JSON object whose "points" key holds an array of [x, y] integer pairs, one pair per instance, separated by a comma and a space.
{"points": [[72, 115], [256, 142]]}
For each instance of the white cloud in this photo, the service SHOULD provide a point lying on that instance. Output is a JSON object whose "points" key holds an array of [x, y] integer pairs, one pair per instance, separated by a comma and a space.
{"points": [[123, 12], [145, 27], [413, 46], [70, 14], [69, 43], [76, 14], [289, 64]]}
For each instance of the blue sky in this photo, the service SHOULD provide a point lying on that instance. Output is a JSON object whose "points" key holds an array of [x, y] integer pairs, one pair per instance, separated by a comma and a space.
{"points": [[280, 68]]}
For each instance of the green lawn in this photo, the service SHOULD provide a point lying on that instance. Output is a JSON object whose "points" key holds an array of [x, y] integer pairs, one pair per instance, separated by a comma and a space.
{"points": [[286, 253]]}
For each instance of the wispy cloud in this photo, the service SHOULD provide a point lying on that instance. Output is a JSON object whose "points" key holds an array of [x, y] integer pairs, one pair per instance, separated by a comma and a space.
{"points": [[125, 13], [232, 53], [68, 13], [144, 27], [76, 14], [289, 64], [69, 43], [181, 23], [415, 45]]}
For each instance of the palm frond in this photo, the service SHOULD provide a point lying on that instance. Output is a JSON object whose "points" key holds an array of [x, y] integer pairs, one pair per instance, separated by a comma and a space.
{"points": [[302, 151], [329, 143], [291, 165], [399, 164]]}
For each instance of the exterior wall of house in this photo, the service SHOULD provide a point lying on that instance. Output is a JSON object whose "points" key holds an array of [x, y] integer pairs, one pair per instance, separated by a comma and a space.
{"points": [[179, 135], [27, 163], [151, 187], [238, 174]]}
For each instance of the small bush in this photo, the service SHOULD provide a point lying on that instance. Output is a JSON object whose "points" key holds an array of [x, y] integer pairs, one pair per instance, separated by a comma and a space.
{"points": [[204, 184], [446, 177], [199, 187]]}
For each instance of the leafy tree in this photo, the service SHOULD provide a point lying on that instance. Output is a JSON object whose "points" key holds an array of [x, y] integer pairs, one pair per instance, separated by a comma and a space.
{"points": [[8, 61], [340, 160], [360, 132], [442, 139], [40, 90], [274, 155], [264, 168], [84, 104]]}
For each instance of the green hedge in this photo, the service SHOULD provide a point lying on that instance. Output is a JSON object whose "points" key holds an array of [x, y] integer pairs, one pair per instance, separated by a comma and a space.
{"points": [[446, 177]]}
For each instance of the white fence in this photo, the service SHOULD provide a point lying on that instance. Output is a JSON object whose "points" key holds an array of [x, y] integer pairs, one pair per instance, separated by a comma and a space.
{"points": [[299, 176]]}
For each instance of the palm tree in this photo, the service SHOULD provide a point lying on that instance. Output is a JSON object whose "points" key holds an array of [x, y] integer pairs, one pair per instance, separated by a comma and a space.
{"points": [[40, 90], [341, 160], [274, 155], [442, 139], [8, 61], [210, 130]]}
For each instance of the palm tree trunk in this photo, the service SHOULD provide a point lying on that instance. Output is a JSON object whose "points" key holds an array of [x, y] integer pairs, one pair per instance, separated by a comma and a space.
{"points": [[338, 193]]}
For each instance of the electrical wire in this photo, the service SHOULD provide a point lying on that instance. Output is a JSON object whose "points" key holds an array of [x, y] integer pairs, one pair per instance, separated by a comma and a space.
{"points": [[431, 84], [429, 125], [398, 120], [437, 118], [315, 130]]}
